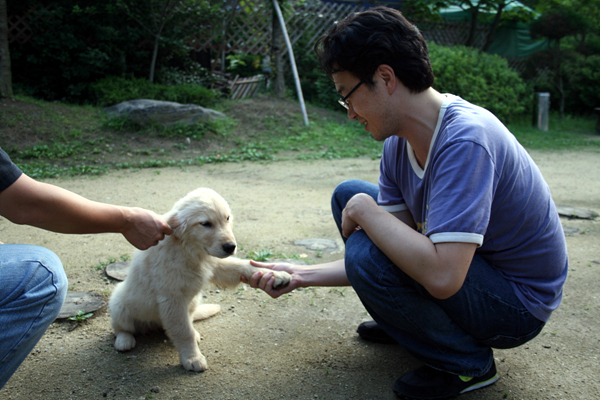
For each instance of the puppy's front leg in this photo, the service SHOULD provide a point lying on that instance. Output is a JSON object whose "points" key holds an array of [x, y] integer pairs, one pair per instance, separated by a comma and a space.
{"points": [[177, 323], [229, 270]]}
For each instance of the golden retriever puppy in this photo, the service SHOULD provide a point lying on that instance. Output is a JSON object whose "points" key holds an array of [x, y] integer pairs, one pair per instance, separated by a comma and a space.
{"points": [[164, 283]]}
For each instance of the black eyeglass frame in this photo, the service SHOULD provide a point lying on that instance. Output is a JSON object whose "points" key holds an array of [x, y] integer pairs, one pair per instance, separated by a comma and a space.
{"points": [[343, 102]]}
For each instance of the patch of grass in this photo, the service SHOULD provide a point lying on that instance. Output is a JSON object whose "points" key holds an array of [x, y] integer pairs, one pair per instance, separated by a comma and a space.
{"points": [[569, 133], [50, 140], [266, 255], [261, 255], [103, 264]]}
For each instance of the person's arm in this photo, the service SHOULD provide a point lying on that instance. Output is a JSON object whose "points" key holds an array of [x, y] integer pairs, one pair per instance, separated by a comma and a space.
{"points": [[441, 268], [328, 274], [29, 202]]}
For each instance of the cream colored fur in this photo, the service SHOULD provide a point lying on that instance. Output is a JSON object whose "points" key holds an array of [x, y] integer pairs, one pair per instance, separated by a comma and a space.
{"points": [[164, 283]]}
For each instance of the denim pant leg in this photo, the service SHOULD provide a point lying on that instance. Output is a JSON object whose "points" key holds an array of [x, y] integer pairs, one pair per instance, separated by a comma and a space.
{"points": [[344, 192], [454, 335], [32, 291]]}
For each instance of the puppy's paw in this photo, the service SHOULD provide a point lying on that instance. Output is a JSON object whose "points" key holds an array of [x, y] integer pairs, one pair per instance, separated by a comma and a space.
{"points": [[282, 279], [124, 341], [194, 362]]}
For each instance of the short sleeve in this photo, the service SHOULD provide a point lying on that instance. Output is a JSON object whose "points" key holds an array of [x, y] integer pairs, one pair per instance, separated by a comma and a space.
{"points": [[390, 196], [461, 194]]}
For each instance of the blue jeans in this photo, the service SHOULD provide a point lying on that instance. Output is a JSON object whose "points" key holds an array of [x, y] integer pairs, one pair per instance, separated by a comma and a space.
{"points": [[33, 287], [454, 335]]}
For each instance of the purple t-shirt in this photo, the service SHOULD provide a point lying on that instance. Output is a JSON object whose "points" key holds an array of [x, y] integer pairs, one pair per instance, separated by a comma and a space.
{"points": [[479, 185]]}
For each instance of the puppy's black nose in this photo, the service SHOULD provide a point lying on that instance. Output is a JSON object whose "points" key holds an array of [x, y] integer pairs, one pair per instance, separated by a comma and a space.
{"points": [[229, 248]]}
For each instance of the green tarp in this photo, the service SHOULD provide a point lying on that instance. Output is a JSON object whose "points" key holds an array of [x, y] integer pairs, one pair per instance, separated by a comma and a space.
{"points": [[511, 39]]}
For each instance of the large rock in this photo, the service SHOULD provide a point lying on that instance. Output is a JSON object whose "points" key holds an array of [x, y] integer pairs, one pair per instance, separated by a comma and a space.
{"points": [[145, 112]]}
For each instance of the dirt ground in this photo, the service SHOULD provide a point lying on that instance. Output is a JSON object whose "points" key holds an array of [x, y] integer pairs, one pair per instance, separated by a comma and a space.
{"points": [[303, 345]]}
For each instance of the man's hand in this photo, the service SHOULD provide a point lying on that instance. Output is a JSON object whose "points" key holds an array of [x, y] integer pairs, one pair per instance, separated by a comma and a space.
{"points": [[143, 228], [265, 281]]}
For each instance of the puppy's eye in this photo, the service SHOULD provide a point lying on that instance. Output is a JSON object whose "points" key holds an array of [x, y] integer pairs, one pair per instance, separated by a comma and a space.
{"points": [[206, 224], [228, 218]]}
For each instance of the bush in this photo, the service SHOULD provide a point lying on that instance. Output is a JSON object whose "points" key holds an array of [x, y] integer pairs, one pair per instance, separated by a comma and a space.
{"points": [[583, 88], [113, 90], [76, 43], [72, 46], [188, 94], [481, 78]]}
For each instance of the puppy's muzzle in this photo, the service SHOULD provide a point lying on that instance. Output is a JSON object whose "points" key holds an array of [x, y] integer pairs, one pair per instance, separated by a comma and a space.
{"points": [[229, 248]]}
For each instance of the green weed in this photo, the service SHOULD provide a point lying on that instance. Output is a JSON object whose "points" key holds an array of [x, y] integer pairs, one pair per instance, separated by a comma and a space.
{"points": [[81, 316], [261, 255]]}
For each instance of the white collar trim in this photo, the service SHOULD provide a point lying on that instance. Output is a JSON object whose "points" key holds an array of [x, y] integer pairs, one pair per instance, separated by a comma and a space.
{"points": [[420, 172]]}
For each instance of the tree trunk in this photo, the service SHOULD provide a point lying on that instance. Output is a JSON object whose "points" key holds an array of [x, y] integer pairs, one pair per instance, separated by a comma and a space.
{"points": [[473, 27], [277, 55], [154, 57], [490, 36], [561, 90], [5, 73]]}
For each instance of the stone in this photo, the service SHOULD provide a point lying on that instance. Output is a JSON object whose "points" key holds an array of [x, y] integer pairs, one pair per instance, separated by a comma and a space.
{"points": [[322, 245], [571, 212], [166, 113], [569, 230], [80, 301], [118, 270]]}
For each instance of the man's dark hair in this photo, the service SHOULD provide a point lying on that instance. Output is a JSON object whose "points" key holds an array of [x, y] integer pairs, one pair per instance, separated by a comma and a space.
{"points": [[381, 35]]}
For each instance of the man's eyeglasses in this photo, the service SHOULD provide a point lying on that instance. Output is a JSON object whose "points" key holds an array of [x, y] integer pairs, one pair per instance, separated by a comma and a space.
{"points": [[343, 101]]}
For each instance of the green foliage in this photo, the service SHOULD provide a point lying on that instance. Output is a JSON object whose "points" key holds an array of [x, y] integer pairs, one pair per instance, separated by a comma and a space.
{"points": [[481, 78], [221, 127], [559, 22], [244, 65], [580, 79], [113, 90], [189, 94], [54, 150], [192, 73], [74, 45], [261, 255], [583, 88], [81, 316]]}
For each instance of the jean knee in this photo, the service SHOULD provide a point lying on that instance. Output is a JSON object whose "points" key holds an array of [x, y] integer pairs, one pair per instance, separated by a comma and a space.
{"points": [[342, 193], [53, 276], [348, 188], [59, 279]]}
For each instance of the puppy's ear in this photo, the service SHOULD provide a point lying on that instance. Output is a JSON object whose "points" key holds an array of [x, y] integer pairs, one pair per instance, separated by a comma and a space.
{"points": [[178, 225]]}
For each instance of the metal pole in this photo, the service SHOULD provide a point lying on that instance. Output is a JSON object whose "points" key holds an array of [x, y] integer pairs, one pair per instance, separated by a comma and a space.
{"points": [[292, 60]]}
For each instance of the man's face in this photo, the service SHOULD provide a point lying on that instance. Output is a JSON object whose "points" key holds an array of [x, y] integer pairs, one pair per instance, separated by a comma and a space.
{"points": [[364, 104]]}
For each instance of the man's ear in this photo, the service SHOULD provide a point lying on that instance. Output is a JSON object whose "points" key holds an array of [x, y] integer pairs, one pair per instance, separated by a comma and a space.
{"points": [[386, 73]]}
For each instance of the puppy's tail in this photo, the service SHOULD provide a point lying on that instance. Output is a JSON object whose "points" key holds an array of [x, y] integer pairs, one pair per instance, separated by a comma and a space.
{"points": [[204, 311]]}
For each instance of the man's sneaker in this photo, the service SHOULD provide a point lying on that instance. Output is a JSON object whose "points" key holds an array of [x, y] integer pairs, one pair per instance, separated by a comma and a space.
{"points": [[373, 333], [430, 383]]}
